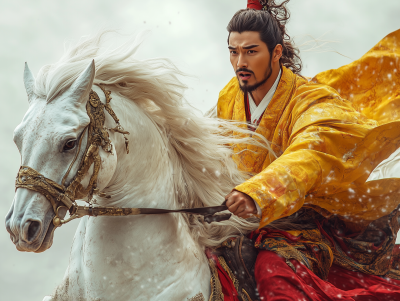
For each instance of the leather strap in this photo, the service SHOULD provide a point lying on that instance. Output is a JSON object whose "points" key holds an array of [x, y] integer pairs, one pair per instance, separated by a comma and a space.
{"points": [[207, 212]]}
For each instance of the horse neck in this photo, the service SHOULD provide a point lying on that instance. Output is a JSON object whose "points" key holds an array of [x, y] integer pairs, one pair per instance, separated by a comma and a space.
{"points": [[144, 177]]}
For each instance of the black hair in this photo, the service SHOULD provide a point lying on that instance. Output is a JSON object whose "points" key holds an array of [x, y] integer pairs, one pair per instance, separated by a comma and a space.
{"points": [[270, 23]]}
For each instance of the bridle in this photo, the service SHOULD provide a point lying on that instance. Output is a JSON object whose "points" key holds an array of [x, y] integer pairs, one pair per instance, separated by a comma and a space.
{"points": [[65, 196], [97, 136]]}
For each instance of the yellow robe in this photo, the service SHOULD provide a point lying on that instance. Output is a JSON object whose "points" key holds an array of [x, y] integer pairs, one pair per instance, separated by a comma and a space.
{"points": [[328, 133]]}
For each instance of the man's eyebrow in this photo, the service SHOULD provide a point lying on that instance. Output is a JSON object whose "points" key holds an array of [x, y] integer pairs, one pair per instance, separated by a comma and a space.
{"points": [[244, 47], [250, 46]]}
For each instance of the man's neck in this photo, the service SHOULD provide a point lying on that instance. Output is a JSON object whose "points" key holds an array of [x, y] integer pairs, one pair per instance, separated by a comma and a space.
{"points": [[260, 92]]}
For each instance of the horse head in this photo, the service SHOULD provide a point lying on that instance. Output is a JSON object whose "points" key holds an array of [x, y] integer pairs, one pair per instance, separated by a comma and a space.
{"points": [[47, 139]]}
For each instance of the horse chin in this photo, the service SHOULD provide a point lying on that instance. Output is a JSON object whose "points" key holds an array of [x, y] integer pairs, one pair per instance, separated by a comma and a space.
{"points": [[47, 241], [48, 238]]}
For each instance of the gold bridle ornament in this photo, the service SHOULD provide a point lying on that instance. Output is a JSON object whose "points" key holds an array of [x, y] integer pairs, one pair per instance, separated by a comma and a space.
{"points": [[65, 196]]}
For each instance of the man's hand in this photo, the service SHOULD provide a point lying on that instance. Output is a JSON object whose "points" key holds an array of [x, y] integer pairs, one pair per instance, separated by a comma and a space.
{"points": [[241, 204]]}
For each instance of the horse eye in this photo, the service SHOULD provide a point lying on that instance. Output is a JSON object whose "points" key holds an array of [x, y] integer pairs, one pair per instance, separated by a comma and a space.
{"points": [[69, 145]]}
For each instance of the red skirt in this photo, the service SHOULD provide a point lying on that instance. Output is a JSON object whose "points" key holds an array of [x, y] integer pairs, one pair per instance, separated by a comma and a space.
{"points": [[276, 281]]}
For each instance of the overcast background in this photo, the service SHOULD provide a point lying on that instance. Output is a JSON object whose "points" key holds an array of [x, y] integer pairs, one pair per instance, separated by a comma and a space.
{"points": [[192, 33]]}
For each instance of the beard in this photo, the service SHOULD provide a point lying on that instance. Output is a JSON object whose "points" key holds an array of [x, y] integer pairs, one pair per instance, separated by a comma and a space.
{"points": [[246, 88]]}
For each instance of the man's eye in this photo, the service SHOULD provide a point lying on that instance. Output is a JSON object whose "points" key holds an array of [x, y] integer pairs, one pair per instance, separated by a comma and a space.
{"points": [[251, 51], [233, 52], [69, 145]]}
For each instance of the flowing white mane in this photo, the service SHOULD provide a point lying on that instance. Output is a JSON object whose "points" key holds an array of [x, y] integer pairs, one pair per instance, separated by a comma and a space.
{"points": [[197, 147]]}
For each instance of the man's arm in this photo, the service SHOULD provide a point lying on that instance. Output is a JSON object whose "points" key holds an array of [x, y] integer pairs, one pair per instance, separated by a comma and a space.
{"points": [[322, 148]]}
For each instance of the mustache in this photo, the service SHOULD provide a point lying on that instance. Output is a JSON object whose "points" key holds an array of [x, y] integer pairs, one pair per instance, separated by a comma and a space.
{"points": [[244, 70]]}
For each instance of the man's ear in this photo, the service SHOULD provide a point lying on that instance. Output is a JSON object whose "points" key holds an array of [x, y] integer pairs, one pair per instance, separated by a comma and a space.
{"points": [[277, 53]]}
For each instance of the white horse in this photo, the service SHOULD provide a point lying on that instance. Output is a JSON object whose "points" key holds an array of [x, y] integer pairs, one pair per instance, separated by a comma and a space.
{"points": [[176, 160]]}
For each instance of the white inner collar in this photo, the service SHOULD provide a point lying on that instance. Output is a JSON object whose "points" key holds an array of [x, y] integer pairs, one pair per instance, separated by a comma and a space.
{"points": [[257, 111]]}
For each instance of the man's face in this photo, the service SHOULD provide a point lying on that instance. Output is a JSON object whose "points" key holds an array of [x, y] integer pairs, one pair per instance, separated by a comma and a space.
{"points": [[250, 59]]}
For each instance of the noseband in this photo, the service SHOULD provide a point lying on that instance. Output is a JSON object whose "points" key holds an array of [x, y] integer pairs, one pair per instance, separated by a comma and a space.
{"points": [[65, 196]]}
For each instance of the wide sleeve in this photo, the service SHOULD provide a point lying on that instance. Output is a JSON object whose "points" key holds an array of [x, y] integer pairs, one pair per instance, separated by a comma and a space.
{"points": [[325, 132]]}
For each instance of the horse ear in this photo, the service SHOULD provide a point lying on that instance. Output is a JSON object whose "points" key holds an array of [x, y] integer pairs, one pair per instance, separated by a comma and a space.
{"points": [[29, 82], [80, 89]]}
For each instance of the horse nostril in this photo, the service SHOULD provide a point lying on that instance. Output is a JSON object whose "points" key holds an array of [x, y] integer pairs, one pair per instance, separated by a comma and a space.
{"points": [[33, 230]]}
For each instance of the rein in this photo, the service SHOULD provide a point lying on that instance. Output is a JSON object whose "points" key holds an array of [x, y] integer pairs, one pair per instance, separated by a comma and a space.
{"points": [[65, 196]]}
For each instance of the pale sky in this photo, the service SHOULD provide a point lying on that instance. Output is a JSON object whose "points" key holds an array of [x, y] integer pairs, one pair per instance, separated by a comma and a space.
{"points": [[191, 33]]}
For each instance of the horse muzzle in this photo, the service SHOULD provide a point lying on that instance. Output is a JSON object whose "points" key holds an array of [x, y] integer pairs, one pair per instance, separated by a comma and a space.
{"points": [[29, 221]]}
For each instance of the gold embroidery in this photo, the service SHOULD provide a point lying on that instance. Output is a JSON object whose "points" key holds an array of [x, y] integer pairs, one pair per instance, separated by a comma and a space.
{"points": [[198, 297], [228, 270], [245, 295], [216, 289]]}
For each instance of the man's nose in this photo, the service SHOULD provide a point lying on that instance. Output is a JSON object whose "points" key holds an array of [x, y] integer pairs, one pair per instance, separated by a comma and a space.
{"points": [[242, 62]]}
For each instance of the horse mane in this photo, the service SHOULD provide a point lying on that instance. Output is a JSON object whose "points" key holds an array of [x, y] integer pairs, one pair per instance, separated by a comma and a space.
{"points": [[198, 146]]}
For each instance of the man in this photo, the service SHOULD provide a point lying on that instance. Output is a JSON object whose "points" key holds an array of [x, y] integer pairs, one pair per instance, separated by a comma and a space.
{"points": [[336, 239]]}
